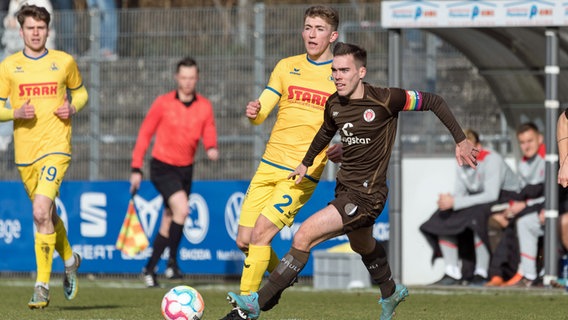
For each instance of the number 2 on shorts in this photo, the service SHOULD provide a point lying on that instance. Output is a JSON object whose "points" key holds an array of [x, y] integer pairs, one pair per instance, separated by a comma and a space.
{"points": [[287, 201]]}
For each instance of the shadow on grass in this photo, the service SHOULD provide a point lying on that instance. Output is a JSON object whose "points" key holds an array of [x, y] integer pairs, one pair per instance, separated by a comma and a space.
{"points": [[86, 308]]}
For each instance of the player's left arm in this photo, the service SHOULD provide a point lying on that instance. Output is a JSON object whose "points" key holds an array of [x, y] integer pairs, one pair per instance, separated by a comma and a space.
{"points": [[79, 94], [210, 134], [412, 100], [79, 99]]}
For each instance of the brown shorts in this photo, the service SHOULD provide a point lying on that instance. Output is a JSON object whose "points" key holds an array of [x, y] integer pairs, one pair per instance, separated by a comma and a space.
{"points": [[358, 210]]}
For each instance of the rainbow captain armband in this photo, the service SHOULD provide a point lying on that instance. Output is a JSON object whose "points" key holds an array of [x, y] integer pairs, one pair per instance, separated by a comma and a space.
{"points": [[413, 101]]}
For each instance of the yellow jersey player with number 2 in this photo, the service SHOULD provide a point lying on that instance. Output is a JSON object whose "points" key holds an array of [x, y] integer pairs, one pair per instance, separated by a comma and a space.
{"points": [[36, 81], [300, 86]]}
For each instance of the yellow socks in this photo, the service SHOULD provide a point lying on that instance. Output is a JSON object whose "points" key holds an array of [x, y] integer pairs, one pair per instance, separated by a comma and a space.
{"points": [[62, 245], [254, 268], [44, 246], [274, 261]]}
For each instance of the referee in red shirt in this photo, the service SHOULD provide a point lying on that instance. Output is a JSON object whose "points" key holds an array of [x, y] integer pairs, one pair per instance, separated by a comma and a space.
{"points": [[178, 119]]}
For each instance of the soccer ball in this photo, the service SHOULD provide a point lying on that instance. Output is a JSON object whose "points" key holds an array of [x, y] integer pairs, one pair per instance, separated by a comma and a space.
{"points": [[182, 303]]}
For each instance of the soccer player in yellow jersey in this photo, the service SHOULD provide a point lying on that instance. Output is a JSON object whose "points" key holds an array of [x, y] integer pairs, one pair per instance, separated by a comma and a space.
{"points": [[300, 86], [36, 81]]}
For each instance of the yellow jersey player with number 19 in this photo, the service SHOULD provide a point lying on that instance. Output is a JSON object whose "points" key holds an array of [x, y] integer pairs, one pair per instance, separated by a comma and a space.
{"points": [[300, 86], [36, 81]]}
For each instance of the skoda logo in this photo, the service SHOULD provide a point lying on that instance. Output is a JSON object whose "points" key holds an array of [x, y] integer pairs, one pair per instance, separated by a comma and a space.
{"points": [[197, 223]]}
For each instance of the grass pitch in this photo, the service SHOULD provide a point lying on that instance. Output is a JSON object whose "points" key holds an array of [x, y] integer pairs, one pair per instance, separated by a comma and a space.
{"points": [[111, 299]]}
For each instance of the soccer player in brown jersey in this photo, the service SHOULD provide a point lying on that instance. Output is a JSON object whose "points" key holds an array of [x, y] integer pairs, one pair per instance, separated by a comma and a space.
{"points": [[366, 118]]}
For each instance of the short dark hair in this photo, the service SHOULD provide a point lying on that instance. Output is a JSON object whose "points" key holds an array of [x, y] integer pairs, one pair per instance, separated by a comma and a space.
{"points": [[187, 62], [527, 126], [358, 53], [38, 13], [328, 14]]}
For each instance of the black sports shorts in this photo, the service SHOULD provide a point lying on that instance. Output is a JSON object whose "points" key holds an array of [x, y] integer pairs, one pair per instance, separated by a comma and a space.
{"points": [[357, 210], [170, 179], [562, 200]]}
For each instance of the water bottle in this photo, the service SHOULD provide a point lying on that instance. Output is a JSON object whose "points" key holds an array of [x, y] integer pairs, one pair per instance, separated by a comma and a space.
{"points": [[565, 270]]}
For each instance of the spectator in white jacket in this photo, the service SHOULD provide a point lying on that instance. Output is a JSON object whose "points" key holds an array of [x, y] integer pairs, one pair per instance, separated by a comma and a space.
{"points": [[458, 229]]}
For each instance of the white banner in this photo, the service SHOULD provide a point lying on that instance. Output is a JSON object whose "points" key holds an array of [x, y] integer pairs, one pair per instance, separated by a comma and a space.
{"points": [[478, 13]]}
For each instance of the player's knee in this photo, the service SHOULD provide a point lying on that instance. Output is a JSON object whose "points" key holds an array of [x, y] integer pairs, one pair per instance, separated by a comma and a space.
{"points": [[180, 212], [363, 249], [243, 246], [178, 204], [302, 241], [41, 214]]}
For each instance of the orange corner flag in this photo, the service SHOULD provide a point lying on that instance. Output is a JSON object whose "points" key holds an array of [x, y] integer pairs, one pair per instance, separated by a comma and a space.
{"points": [[131, 239]]}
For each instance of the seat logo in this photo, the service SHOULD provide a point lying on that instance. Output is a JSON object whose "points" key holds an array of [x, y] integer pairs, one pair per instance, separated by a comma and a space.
{"points": [[148, 212]]}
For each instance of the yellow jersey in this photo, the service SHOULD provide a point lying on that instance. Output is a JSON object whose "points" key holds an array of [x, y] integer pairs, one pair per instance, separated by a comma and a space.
{"points": [[44, 82], [300, 87]]}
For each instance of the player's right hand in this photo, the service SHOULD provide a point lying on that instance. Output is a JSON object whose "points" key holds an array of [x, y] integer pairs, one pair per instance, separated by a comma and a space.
{"points": [[135, 181], [213, 154], [26, 111], [466, 153], [300, 172], [253, 108], [563, 174]]}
